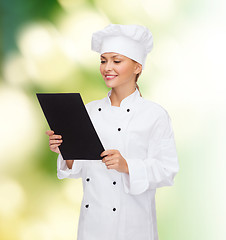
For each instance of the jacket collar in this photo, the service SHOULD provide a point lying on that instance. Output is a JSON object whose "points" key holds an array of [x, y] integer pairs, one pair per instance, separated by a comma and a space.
{"points": [[127, 101]]}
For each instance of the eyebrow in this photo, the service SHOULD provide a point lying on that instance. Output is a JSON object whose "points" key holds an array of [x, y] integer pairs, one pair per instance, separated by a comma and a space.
{"points": [[111, 57]]}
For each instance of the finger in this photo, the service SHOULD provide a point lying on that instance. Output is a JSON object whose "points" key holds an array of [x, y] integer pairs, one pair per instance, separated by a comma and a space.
{"points": [[108, 158], [55, 137], [52, 142], [49, 132], [112, 166], [54, 147], [110, 162], [109, 152]]}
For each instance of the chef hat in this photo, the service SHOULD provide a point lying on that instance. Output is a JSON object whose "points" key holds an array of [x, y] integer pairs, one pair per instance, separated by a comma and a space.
{"points": [[132, 41]]}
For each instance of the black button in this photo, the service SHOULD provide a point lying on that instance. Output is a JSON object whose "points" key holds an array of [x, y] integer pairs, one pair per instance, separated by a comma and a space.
{"points": [[87, 205], [128, 110], [114, 182], [119, 129], [114, 209], [87, 179], [99, 109]]}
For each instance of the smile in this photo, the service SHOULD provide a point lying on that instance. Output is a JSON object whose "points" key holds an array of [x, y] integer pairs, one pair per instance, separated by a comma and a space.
{"points": [[109, 77]]}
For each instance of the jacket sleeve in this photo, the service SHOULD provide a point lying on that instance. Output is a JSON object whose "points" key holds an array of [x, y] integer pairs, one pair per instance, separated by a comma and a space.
{"points": [[64, 172], [76, 171], [160, 166]]}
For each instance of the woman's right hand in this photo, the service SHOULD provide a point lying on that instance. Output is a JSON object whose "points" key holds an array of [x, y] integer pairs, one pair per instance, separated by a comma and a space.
{"points": [[54, 141]]}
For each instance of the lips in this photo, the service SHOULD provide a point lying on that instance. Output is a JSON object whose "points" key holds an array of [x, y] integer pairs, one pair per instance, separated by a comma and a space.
{"points": [[110, 77]]}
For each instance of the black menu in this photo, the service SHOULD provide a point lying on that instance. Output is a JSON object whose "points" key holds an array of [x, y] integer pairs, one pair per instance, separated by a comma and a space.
{"points": [[67, 116]]}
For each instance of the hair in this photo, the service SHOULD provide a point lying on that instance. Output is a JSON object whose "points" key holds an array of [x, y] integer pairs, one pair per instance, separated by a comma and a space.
{"points": [[137, 76], [136, 85]]}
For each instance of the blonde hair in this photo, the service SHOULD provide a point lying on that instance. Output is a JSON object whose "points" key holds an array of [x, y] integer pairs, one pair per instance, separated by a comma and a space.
{"points": [[137, 76]]}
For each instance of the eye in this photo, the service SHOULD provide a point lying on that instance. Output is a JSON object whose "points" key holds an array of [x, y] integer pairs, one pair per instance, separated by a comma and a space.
{"points": [[102, 61], [117, 61]]}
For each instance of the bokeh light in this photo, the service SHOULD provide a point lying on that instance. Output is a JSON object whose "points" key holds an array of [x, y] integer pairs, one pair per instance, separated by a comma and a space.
{"points": [[11, 206], [50, 58], [18, 127]]}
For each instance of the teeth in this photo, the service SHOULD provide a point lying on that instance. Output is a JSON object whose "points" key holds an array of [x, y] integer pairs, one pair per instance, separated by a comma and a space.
{"points": [[110, 77]]}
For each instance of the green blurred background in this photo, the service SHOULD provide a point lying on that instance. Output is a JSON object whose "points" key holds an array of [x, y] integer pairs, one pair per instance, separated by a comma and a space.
{"points": [[45, 47]]}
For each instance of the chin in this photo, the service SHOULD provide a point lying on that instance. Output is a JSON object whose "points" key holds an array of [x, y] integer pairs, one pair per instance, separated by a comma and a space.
{"points": [[111, 84]]}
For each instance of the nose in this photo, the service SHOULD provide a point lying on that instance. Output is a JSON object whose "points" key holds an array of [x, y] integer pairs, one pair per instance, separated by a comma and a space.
{"points": [[108, 66]]}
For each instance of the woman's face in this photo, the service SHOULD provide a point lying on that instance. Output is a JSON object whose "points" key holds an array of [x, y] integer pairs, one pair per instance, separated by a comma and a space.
{"points": [[118, 70]]}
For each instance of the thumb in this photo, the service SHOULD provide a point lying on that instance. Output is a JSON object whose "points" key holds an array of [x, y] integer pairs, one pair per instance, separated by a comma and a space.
{"points": [[49, 132]]}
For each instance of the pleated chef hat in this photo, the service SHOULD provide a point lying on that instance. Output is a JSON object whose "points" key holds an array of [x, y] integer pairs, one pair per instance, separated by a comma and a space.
{"points": [[132, 41]]}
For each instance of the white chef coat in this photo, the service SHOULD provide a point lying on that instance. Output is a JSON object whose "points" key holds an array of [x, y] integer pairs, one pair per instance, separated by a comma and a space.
{"points": [[116, 205]]}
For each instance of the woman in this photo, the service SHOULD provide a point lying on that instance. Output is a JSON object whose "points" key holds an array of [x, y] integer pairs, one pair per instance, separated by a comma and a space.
{"points": [[140, 155]]}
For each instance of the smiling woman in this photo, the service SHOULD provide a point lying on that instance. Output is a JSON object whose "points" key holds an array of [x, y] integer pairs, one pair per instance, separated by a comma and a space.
{"points": [[119, 72], [140, 155]]}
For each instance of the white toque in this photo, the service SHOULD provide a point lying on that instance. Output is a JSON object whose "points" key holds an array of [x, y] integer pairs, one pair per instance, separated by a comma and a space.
{"points": [[132, 41]]}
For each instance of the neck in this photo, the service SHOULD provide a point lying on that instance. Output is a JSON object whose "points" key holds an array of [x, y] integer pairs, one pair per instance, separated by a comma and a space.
{"points": [[119, 93]]}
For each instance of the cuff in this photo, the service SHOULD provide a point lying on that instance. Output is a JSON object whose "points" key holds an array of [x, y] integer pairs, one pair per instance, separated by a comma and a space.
{"points": [[64, 172], [136, 182]]}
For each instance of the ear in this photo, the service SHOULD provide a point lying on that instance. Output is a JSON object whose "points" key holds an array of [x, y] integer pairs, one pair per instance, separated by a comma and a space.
{"points": [[138, 68]]}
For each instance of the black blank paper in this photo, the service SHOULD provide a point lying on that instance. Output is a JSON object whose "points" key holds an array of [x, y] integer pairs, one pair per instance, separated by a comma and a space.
{"points": [[67, 116]]}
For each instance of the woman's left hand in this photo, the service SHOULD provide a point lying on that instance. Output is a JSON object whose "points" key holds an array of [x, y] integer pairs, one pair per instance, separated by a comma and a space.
{"points": [[114, 160]]}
